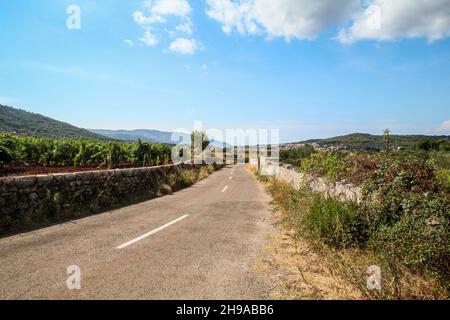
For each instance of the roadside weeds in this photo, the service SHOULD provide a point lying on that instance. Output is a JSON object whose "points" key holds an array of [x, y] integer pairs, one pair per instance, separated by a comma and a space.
{"points": [[303, 268]]}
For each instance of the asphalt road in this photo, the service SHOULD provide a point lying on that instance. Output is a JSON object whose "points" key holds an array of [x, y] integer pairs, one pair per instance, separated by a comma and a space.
{"points": [[199, 243]]}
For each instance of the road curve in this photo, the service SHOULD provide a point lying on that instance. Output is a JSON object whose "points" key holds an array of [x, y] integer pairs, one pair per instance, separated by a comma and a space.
{"points": [[199, 243]]}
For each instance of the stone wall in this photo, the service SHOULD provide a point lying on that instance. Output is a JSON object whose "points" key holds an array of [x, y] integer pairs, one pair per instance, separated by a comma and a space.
{"points": [[36, 200], [341, 190]]}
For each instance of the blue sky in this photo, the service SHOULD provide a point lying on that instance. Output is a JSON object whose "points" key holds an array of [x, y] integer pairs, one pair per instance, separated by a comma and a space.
{"points": [[235, 65]]}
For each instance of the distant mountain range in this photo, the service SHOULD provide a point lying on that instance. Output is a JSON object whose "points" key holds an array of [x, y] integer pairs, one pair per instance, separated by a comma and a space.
{"points": [[22, 122], [368, 142], [152, 136]]}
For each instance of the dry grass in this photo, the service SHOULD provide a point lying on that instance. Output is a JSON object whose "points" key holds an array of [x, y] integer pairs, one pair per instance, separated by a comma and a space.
{"points": [[299, 272], [304, 268], [182, 179]]}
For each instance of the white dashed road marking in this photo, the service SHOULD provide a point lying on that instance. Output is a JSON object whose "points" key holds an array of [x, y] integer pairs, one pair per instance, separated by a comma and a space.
{"points": [[129, 243]]}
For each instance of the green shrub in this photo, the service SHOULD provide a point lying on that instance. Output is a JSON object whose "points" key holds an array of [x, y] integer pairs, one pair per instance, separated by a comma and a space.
{"points": [[328, 164], [295, 156], [418, 239], [6, 156], [403, 216], [430, 145], [394, 181], [338, 224], [443, 179], [325, 218], [9, 146], [440, 159], [407, 214]]}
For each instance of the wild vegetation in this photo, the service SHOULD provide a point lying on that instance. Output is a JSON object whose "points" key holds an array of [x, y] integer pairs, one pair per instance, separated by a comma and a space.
{"points": [[296, 155], [402, 219], [374, 143]]}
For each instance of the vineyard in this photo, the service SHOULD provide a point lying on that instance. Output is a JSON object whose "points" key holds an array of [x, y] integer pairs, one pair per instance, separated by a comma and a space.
{"points": [[20, 154]]}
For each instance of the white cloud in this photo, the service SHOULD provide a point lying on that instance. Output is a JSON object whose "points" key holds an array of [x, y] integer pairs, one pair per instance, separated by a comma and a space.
{"points": [[179, 8], [175, 14], [159, 10], [185, 27], [445, 127], [300, 19], [144, 20], [149, 39], [305, 19], [128, 42], [184, 46], [400, 19]]}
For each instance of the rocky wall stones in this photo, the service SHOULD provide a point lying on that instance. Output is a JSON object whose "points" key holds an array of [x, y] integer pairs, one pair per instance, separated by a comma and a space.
{"points": [[35, 200]]}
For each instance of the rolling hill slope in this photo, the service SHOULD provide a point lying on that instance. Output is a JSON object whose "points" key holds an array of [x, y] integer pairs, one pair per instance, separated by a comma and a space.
{"points": [[22, 122], [152, 136], [367, 142]]}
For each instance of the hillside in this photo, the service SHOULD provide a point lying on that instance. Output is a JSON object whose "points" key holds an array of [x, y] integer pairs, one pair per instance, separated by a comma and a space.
{"points": [[22, 122], [152, 136], [367, 142]]}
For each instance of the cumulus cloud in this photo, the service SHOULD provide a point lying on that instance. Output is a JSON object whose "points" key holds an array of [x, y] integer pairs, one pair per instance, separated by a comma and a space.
{"points": [[184, 46], [185, 27], [175, 15], [179, 8], [144, 20], [300, 19], [149, 39], [389, 20], [128, 42], [159, 10], [445, 127], [305, 19]]}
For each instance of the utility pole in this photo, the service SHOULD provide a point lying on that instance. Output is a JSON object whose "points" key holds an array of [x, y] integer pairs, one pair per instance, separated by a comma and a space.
{"points": [[259, 158]]}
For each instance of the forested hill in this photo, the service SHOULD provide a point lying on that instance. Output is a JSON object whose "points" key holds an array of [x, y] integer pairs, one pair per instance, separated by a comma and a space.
{"points": [[360, 141], [22, 122]]}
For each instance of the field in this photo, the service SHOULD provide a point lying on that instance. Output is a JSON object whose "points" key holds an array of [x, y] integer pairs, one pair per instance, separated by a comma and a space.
{"points": [[21, 155]]}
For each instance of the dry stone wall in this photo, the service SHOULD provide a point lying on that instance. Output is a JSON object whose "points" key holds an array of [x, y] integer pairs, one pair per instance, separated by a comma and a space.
{"points": [[35, 200], [340, 190]]}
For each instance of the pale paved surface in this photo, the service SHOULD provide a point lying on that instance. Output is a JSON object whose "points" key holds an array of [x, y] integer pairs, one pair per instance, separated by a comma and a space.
{"points": [[207, 256]]}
